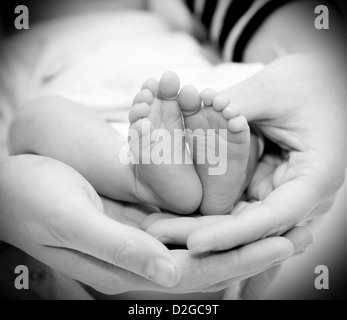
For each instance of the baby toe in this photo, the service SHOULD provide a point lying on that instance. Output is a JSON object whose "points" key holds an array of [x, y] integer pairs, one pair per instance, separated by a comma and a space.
{"points": [[151, 85], [144, 96], [238, 124], [169, 86], [139, 111], [189, 100], [232, 111], [208, 96], [220, 103]]}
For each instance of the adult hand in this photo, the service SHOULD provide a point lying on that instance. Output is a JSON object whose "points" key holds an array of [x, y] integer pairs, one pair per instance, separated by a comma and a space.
{"points": [[49, 211], [299, 103]]}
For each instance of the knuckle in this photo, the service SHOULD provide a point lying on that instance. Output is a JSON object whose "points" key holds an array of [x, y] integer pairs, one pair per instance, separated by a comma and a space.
{"points": [[283, 223], [244, 260], [61, 235], [284, 226], [125, 253], [63, 228]]}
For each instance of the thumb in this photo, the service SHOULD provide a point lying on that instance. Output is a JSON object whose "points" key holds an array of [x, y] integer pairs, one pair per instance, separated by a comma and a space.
{"points": [[286, 82], [282, 210], [126, 247], [251, 95]]}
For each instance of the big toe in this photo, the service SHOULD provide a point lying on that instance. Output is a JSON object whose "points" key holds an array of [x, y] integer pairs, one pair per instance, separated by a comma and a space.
{"points": [[169, 86], [189, 101]]}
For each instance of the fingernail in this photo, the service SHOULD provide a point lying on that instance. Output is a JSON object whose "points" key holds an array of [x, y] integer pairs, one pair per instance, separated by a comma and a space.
{"points": [[202, 249], [162, 272]]}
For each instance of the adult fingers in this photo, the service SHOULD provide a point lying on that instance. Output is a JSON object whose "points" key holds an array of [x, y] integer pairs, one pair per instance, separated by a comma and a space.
{"points": [[262, 182], [171, 229], [205, 274], [251, 95], [257, 284], [63, 210], [52, 205], [322, 210], [301, 238], [282, 210], [97, 274], [269, 94], [126, 247], [232, 286], [129, 214], [155, 217], [212, 269]]}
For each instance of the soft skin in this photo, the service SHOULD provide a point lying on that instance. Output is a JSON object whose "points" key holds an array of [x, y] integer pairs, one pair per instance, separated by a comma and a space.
{"points": [[52, 213], [292, 189]]}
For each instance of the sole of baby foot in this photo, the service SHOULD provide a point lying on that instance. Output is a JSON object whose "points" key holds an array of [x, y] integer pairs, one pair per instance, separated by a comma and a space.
{"points": [[216, 126], [164, 171]]}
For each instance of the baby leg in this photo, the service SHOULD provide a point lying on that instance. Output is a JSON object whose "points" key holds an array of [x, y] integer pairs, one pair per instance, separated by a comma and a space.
{"points": [[66, 131]]}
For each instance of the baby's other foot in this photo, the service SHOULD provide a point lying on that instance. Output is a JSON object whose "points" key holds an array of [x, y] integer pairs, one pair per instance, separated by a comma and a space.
{"points": [[224, 184], [165, 174]]}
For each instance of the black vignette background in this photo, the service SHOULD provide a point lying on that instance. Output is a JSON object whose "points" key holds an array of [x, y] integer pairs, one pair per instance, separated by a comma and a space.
{"points": [[297, 279]]}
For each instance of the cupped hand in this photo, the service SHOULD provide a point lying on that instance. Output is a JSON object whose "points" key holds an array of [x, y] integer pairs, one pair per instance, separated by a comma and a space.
{"points": [[299, 103], [49, 211]]}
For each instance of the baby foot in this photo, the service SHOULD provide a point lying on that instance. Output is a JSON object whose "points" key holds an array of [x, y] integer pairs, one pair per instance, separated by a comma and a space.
{"points": [[221, 192], [162, 176]]}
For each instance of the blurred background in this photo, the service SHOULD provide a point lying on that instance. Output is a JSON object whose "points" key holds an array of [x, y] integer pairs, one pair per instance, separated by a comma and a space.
{"points": [[297, 278]]}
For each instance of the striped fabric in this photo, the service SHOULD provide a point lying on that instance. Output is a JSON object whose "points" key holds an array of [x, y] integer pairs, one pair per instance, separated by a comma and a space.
{"points": [[232, 23]]}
